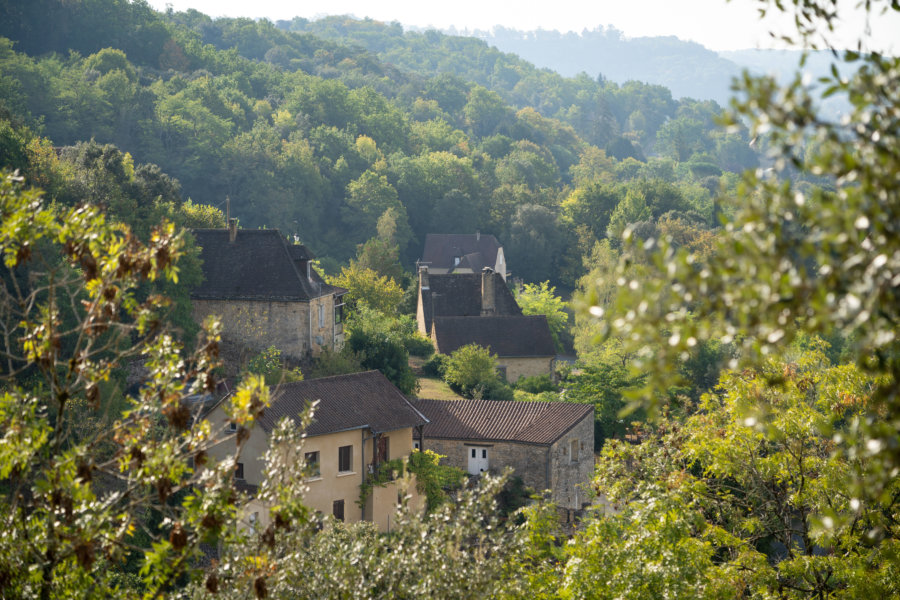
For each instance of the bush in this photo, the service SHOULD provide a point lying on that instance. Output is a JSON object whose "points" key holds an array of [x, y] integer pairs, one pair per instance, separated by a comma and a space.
{"points": [[493, 389], [470, 368], [436, 366], [536, 385], [419, 345]]}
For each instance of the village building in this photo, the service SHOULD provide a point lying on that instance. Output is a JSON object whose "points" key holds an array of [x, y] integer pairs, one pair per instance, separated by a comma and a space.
{"points": [[463, 253], [361, 420], [523, 344], [484, 293], [549, 445], [266, 293]]}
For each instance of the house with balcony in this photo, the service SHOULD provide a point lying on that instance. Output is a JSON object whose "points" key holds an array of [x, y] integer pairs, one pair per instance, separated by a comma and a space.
{"points": [[361, 421]]}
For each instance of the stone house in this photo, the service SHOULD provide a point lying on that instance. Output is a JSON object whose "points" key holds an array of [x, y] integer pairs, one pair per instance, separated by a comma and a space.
{"points": [[266, 293], [361, 420], [462, 295], [523, 344], [550, 445], [463, 253]]}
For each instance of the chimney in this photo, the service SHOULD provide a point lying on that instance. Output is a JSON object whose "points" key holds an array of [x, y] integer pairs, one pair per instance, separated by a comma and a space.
{"points": [[488, 294], [423, 278], [232, 230]]}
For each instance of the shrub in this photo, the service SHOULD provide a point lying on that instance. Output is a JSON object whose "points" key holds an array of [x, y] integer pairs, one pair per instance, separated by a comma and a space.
{"points": [[536, 384], [436, 366]]}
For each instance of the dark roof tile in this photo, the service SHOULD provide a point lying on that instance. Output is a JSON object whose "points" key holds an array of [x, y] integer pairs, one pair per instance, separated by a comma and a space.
{"points": [[258, 265], [509, 336], [442, 248], [346, 402], [501, 421], [459, 295]]}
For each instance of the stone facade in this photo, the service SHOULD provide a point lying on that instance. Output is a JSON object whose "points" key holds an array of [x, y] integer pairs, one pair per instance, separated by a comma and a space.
{"points": [[258, 324], [541, 467], [525, 367]]}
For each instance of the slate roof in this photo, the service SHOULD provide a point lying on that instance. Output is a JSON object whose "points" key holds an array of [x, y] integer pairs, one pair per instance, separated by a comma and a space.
{"points": [[346, 402], [507, 336], [539, 423], [258, 265], [442, 248], [459, 295]]}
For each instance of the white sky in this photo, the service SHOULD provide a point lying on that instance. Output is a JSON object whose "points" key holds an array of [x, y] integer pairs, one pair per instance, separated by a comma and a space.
{"points": [[717, 24]]}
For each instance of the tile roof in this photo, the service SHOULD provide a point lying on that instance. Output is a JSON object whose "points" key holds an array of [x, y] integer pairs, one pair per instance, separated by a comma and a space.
{"points": [[501, 420], [442, 248], [510, 336], [459, 295], [258, 265], [346, 402]]}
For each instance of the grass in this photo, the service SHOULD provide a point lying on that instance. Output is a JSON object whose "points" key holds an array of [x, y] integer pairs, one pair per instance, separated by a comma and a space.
{"points": [[431, 387]]}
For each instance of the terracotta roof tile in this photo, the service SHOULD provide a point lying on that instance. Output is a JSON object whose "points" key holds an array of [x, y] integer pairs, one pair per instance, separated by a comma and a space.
{"points": [[501, 421]]}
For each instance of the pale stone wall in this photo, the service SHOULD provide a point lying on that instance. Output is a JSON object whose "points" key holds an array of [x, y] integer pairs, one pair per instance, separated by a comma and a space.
{"points": [[570, 474], [567, 477], [324, 333], [529, 461], [257, 324], [526, 367]]}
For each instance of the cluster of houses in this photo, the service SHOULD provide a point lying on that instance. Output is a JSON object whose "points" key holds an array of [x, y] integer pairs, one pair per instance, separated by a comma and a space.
{"points": [[266, 293]]}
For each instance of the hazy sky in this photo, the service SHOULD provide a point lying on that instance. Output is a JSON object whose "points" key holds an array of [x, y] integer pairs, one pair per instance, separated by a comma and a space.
{"points": [[716, 24]]}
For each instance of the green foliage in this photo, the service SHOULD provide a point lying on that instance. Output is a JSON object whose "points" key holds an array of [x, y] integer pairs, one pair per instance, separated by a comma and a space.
{"points": [[541, 299], [433, 479], [329, 363], [268, 365], [83, 466], [436, 366], [536, 384], [377, 343], [472, 372], [366, 287]]}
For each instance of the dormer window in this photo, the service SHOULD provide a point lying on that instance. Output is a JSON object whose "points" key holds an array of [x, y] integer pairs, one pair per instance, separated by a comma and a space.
{"points": [[455, 261]]}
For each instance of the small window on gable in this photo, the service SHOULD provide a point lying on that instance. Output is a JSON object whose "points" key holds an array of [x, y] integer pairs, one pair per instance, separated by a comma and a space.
{"points": [[321, 315], [309, 271], [455, 261], [573, 451]]}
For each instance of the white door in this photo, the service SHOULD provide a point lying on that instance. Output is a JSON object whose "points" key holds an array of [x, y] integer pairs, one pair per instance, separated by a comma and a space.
{"points": [[478, 459]]}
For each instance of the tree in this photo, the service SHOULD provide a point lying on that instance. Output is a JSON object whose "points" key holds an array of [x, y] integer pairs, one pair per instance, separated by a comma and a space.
{"points": [[472, 372], [83, 466], [367, 287], [541, 299], [795, 259], [719, 504], [379, 343]]}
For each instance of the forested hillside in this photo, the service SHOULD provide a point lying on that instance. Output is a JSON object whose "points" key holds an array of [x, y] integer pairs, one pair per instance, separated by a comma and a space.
{"points": [[321, 139], [734, 312]]}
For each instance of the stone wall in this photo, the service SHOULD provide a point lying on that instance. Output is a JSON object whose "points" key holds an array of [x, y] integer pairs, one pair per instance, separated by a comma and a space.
{"points": [[568, 475], [526, 367], [257, 324], [529, 461]]}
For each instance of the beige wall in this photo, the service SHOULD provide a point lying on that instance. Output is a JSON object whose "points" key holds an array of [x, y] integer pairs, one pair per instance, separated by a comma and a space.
{"points": [[330, 485], [526, 367]]}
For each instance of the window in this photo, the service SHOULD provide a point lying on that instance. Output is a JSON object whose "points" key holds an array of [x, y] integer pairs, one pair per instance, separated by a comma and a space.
{"points": [[573, 451], [239, 471], [337, 507], [417, 445], [312, 463], [232, 427], [383, 452], [345, 459], [501, 372], [455, 261], [338, 313], [321, 315]]}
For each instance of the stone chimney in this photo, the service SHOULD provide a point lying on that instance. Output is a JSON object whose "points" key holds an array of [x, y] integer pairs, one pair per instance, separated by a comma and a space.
{"points": [[423, 278], [488, 293], [232, 230]]}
